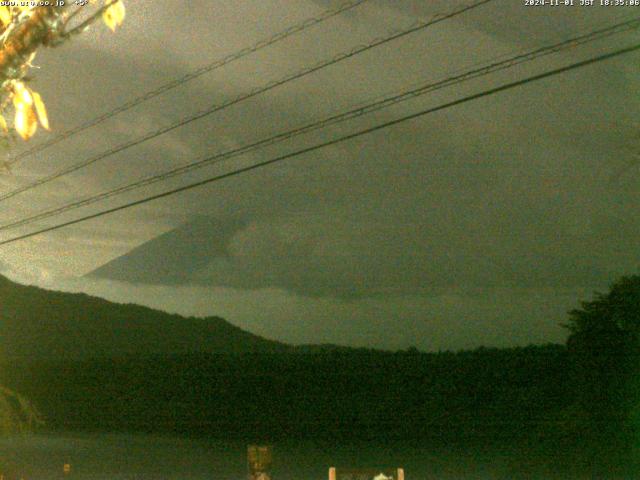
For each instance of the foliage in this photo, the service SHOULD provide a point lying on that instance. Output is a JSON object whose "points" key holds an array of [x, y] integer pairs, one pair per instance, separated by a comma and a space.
{"points": [[617, 311], [24, 30], [604, 348], [17, 414], [488, 394]]}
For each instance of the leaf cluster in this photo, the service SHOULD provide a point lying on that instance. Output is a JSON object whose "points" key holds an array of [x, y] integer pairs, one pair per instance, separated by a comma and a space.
{"points": [[23, 31]]}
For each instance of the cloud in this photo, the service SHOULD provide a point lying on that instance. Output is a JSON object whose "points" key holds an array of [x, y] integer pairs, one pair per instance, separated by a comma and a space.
{"points": [[452, 319], [501, 195]]}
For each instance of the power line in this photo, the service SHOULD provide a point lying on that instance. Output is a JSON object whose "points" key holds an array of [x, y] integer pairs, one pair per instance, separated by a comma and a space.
{"points": [[335, 119], [309, 22], [335, 141], [216, 108]]}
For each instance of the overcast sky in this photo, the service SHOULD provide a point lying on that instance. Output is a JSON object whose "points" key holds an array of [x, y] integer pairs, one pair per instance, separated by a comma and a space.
{"points": [[478, 225]]}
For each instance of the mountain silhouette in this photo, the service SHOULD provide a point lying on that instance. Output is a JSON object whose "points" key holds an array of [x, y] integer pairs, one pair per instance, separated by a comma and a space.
{"points": [[175, 257], [40, 324]]}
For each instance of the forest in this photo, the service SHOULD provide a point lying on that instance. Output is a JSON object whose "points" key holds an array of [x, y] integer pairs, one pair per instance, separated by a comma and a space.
{"points": [[573, 405]]}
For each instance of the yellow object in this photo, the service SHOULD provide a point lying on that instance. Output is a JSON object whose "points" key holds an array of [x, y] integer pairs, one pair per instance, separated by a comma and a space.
{"points": [[41, 110], [5, 18], [26, 122], [114, 15]]}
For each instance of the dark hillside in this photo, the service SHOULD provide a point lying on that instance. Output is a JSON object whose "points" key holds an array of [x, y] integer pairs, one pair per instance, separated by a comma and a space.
{"points": [[37, 323]]}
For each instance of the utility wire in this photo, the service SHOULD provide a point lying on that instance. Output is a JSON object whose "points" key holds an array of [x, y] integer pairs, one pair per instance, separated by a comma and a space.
{"points": [[327, 14], [216, 108], [335, 119], [233, 173]]}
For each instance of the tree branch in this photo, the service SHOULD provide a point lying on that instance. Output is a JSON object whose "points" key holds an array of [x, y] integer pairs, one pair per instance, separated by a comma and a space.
{"points": [[25, 38], [84, 25]]}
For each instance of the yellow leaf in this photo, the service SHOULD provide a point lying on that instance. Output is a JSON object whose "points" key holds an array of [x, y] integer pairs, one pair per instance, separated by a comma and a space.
{"points": [[21, 97], [26, 122], [3, 124], [40, 110], [114, 15], [5, 15]]}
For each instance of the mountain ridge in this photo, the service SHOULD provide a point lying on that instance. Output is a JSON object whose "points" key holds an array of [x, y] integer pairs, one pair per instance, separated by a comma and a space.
{"points": [[40, 323], [186, 251]]}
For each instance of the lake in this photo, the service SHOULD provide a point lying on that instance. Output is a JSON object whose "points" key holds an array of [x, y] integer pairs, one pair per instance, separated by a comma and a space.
{"points": [[120, 457]]}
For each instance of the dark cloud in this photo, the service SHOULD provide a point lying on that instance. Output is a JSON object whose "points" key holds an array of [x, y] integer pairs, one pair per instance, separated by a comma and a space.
{"points": [[461, 223]]}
